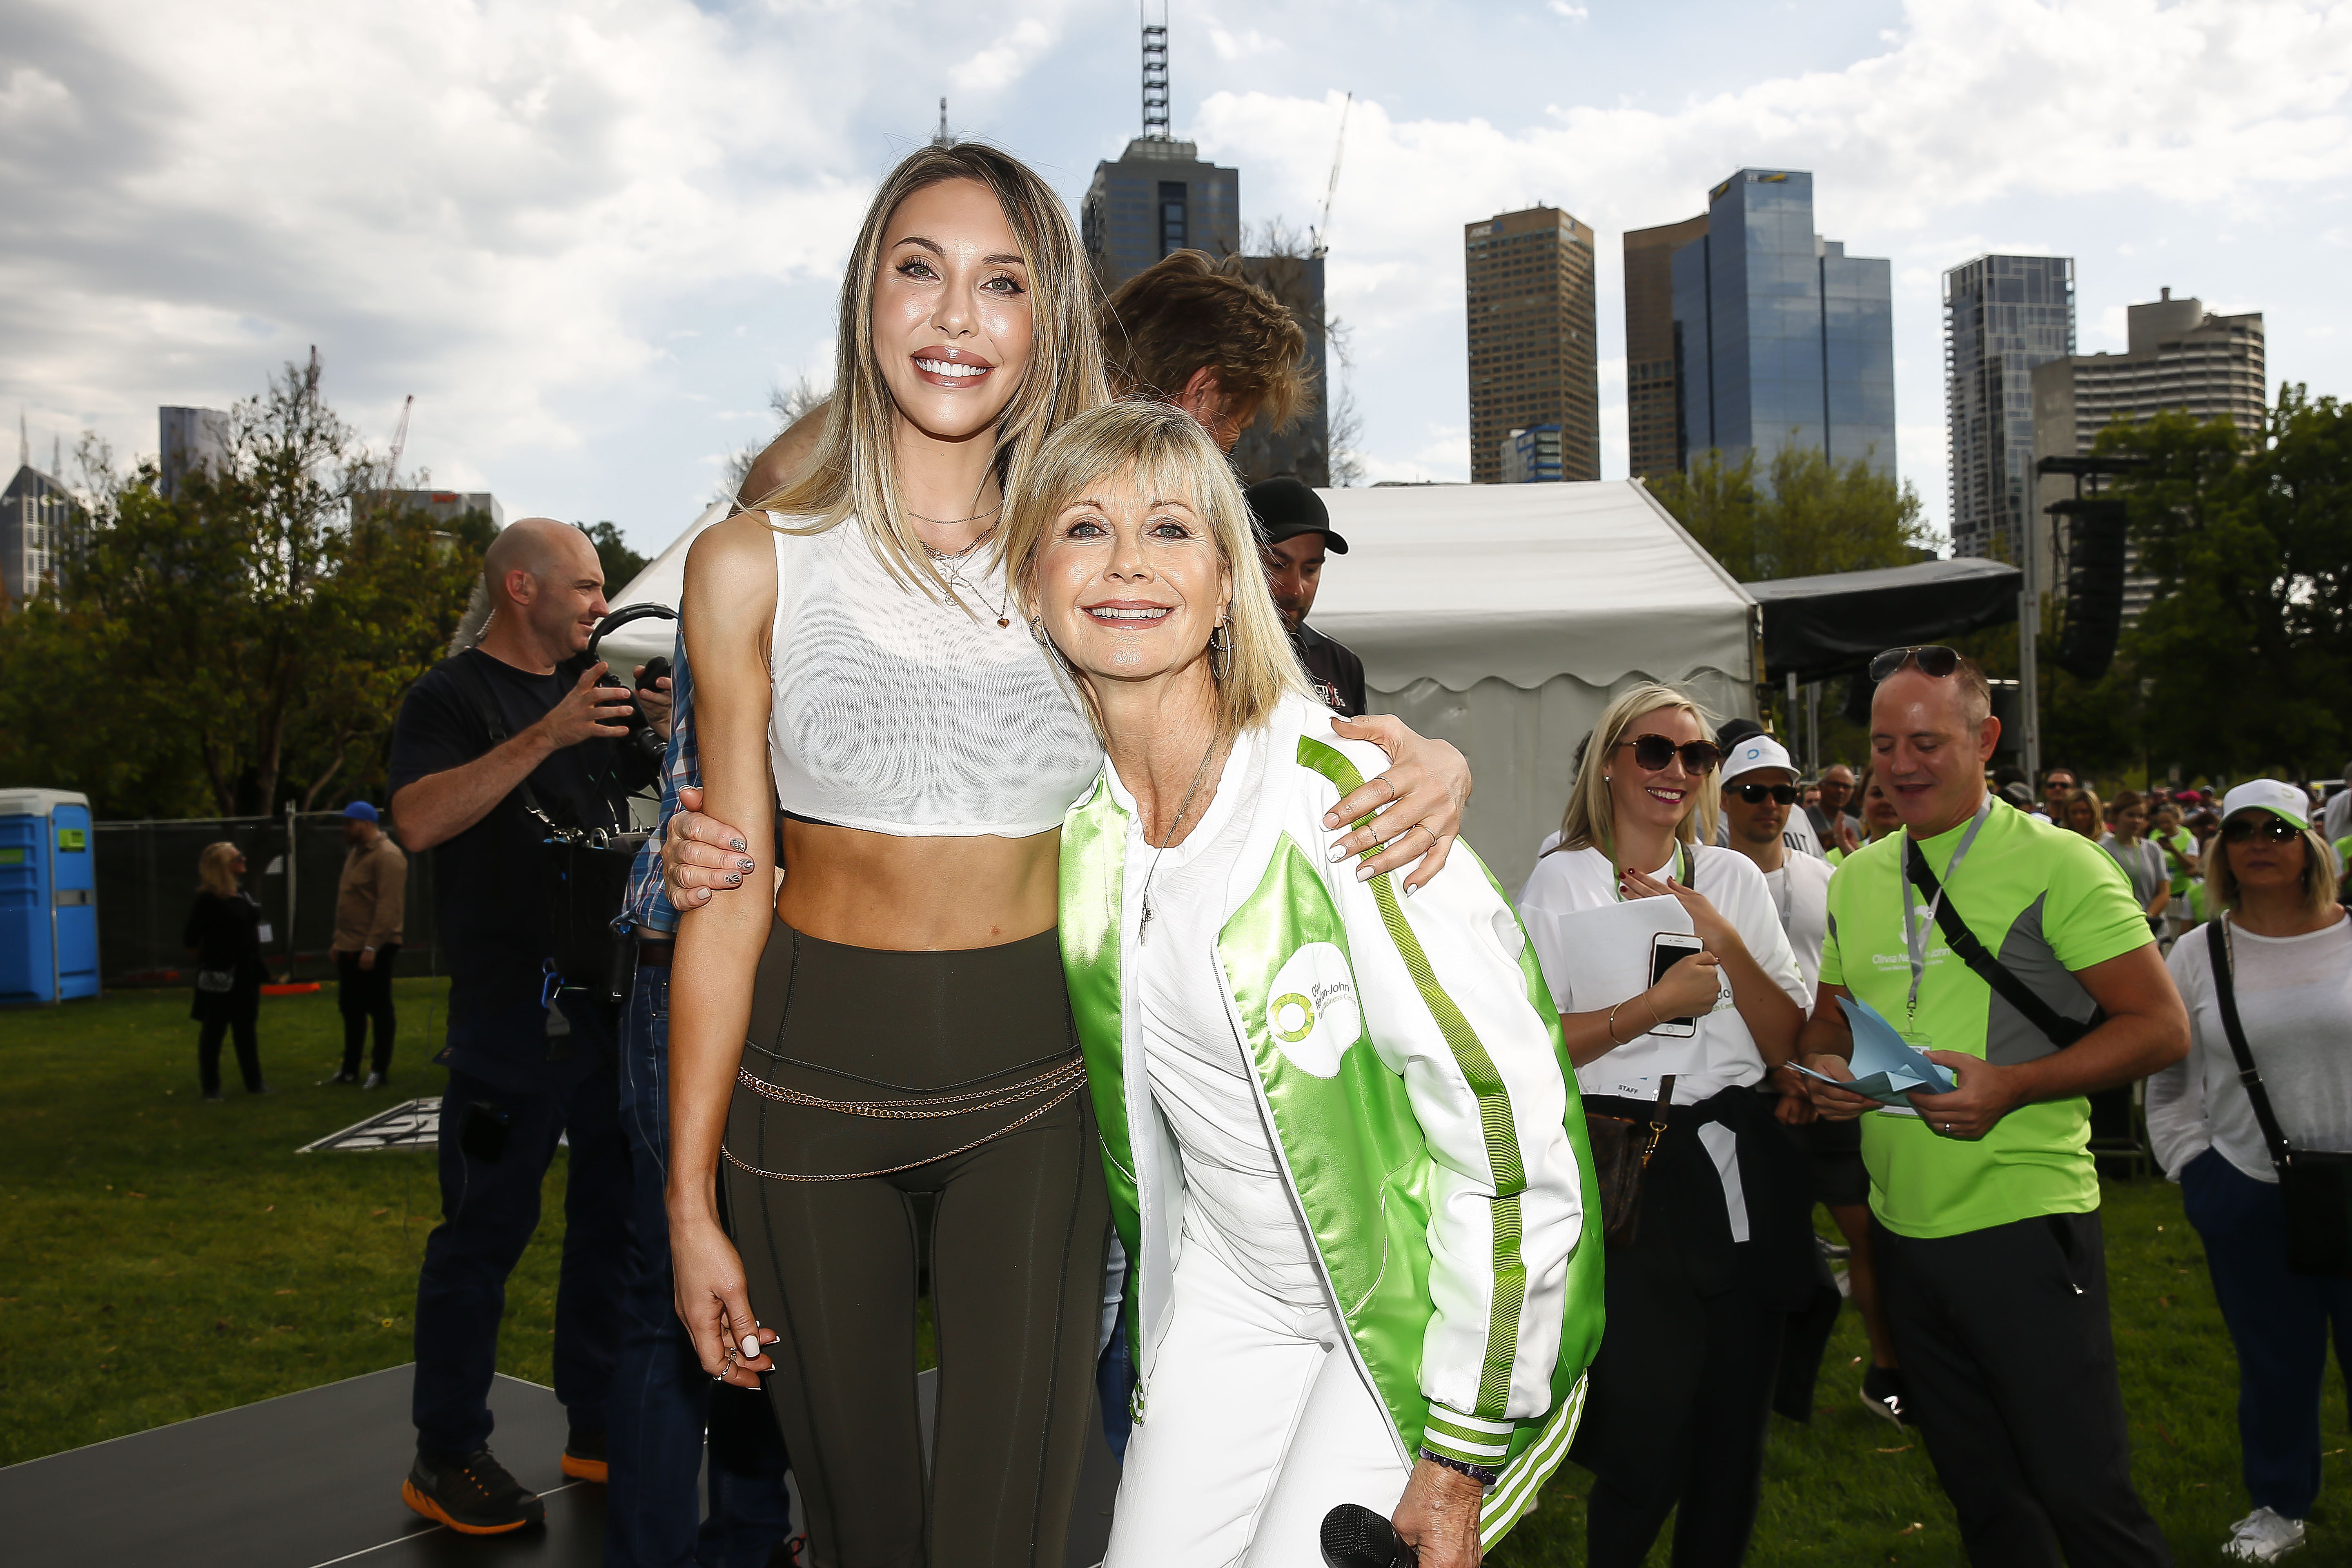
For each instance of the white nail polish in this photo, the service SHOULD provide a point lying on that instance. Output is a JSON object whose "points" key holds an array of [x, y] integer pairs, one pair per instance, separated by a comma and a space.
{"points": [[1364, 873], [751, 1347], [1336, 854]]}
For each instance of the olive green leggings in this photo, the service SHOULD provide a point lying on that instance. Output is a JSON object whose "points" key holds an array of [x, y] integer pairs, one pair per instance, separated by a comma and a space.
{"points": [[1016, 1246]]}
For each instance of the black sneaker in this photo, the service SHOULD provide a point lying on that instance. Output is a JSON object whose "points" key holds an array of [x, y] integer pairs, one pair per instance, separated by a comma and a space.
{"points": [[346, 1076], [1883, 1394], [584, 1455], [474, 1496]]}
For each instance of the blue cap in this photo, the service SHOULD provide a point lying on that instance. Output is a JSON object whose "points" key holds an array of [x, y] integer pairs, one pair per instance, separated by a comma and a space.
{"points": [[360, 811]]}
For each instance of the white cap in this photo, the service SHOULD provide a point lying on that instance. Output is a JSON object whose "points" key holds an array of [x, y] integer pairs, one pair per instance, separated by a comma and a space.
{"points": [[1757, 751], [2284, 799]]}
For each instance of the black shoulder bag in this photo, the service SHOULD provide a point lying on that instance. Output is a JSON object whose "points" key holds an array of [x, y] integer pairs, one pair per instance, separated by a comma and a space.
{"points": [[2315, 1184], [2060, 1030], [583, 871]]}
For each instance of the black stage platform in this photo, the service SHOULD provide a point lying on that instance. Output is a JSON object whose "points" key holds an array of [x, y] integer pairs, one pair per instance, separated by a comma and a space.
{"points": [[313, 1479]]}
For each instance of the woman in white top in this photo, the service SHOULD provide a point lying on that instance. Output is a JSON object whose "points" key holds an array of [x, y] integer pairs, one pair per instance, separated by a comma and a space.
{"points": [[893, 1026], [1681, 1389], [2289, 948], [2143, 863]]}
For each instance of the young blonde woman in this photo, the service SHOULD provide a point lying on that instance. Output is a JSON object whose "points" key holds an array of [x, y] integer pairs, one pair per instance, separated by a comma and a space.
{"points": [[1682, 1387], [894, 1026], [223, 937], [1339, 1142], [2084, 814]]}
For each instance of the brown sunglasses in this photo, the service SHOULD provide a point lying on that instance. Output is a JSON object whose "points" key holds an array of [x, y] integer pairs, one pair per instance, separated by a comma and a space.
{"points": [[1656, 752]]}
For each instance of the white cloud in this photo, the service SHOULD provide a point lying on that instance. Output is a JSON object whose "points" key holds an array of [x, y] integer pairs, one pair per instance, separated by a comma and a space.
{"points": [[1573, 13]]}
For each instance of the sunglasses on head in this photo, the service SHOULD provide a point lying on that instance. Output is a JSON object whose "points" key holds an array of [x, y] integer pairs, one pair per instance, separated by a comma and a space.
{"points": [[1656, 752], [1934, 661], [1758, 794], [2277, 829]]}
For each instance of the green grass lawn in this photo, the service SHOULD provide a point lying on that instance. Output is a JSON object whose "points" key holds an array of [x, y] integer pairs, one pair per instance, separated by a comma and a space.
{"points": [[160, 1258]]}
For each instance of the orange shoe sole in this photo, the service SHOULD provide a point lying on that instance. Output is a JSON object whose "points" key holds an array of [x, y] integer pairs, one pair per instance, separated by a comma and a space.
{"points": [[432, 1511], [580, 1469]]}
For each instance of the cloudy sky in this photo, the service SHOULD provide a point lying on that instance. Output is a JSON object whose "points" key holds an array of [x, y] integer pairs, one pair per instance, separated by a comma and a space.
{"points": [[589, 236]]}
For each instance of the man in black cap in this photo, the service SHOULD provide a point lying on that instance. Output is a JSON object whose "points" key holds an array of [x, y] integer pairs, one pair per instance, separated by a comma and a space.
{"points": [[1293, 531]]}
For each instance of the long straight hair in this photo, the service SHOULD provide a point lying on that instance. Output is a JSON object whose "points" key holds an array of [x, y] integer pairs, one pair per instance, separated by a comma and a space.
{"points": [[855, 471], [1590, 820], [2318, 882], [1170, 454]]}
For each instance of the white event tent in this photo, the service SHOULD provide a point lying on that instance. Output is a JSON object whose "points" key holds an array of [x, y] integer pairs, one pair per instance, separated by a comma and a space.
{"points": [[1501, 617]]}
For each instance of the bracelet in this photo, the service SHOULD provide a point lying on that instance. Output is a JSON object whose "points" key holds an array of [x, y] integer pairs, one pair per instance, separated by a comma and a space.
{"points": [[1609, 1026], [1485, 1475]]}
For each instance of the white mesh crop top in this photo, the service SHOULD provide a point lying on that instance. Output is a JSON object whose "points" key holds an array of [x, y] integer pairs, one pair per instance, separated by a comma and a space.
{"points": [[895, 713]]}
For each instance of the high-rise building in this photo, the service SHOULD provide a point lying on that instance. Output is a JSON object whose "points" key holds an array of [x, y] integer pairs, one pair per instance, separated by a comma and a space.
{"points": [[1161, 195], [1780, 338], [445, 506], [36, 518], [1527, 277], [1531, 457], [192, 438], [2177, 359], [2004, 316], [1653, 395]]}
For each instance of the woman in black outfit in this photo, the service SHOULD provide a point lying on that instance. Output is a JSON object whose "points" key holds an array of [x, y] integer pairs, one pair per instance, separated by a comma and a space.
{"points": [[224, 934]]}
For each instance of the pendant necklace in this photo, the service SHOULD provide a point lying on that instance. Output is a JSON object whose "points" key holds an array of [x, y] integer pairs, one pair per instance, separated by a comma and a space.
{"points": [[952, 565], [1143, 927]]}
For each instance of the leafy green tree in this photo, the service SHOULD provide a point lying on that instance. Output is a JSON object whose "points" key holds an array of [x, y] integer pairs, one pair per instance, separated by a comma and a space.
{"points": [[240, 643], [1809, 515], [621, 564]]}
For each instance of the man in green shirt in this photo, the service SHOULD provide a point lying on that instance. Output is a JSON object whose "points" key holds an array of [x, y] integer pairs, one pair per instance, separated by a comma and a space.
{"points": [[1985, 1201]]}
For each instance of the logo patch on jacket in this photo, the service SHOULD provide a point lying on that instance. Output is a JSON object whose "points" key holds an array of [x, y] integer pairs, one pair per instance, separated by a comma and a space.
{"points": [[1314, 1017]]}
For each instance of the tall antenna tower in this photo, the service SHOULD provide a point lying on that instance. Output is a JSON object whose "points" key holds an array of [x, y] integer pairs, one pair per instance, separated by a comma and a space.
{"points": [[1155, 71], [943, 139]]}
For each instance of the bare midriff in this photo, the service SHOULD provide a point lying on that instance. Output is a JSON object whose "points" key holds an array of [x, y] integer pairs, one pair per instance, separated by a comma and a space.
{"points": [[912, 895]]}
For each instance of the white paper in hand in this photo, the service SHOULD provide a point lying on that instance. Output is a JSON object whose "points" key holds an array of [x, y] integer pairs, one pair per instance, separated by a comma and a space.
{"points": [[1885, 1068], [1597, 958]]}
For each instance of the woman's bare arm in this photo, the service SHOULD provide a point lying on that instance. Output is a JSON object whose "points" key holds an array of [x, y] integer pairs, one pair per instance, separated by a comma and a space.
{"points": [[729, 603]]}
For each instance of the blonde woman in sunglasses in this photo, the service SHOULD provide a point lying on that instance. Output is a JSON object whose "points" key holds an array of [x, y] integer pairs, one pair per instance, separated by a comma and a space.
{"points": [[1681, 1388]]}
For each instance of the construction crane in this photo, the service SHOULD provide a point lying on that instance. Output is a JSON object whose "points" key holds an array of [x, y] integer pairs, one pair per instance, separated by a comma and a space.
{"points": [[1323, 229], [399, 441]]}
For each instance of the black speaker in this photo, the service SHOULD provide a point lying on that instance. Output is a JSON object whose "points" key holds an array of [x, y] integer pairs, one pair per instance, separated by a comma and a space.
{"points": [[2096, 533]]}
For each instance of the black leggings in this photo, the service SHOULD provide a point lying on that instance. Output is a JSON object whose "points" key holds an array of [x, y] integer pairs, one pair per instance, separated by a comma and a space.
{"points": [[1016, 1248], [238, 1011]]}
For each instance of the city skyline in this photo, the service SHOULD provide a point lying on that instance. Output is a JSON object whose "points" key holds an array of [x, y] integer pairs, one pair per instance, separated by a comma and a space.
{"points": [[1528, 294], [589, 277]]}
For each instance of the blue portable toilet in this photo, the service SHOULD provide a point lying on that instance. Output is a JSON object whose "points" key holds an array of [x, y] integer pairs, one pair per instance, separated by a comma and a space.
{"points": [[48, 897]]}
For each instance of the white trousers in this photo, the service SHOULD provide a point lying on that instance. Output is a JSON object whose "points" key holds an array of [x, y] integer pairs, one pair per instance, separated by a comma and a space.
{"points": [[1255, 1425]]}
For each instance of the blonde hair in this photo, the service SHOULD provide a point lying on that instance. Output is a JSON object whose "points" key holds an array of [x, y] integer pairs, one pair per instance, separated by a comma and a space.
{"points": [[213, 869], [2098, 812], [1164, 449], [2318, 883], [1590, 820], [854, 471]]}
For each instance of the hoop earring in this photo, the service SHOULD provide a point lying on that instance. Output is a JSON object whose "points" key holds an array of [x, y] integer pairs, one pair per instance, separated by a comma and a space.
{"points": [[1221, 648], [1037, 635]]}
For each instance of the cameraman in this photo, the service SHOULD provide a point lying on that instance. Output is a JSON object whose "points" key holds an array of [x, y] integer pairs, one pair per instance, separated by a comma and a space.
{"points": [[512, 722]]}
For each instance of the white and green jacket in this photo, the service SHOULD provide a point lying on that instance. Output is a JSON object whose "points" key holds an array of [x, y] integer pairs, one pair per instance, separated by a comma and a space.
{"points": [[1407, 1056]]}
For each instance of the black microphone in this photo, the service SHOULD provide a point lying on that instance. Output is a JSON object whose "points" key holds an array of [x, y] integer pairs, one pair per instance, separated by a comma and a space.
{"points": [[1356, 1537]]}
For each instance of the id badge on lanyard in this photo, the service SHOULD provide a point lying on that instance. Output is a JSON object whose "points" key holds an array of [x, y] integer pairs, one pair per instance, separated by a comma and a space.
{"points": [[1915, 930]]}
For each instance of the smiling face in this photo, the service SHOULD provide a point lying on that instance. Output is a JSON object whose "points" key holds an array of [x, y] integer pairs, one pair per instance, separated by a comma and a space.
{"points": [[1130, 583], [953, 325], [1879, 817], [1929, 749], [1664, 797]]}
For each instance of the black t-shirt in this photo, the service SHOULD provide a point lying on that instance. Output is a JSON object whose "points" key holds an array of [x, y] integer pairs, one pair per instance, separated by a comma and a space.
{"points": [[1338, 674], [488, 885]]}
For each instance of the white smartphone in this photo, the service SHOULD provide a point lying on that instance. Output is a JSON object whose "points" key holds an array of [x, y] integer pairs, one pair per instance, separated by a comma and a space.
{"points": [[1667, 950]]}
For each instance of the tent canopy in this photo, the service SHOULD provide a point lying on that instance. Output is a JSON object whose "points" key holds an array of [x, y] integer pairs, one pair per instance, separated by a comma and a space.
{"points": [[1820, 626], [1459, 584]]}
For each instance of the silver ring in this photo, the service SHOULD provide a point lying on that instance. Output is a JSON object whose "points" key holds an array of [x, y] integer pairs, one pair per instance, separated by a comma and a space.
{"points": [[1948, 1127]]}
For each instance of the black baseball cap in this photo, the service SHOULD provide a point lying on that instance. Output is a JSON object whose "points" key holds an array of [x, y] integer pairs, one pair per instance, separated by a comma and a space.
{"points": [[1285, 507]]}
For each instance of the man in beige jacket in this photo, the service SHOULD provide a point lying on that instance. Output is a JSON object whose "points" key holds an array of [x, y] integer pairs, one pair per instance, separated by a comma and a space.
{"points": [[368, 902]]}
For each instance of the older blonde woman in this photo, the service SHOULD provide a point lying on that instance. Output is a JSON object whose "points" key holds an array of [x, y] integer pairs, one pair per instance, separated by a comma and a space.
{"points": [[892, 1027], [1682, 1386], [1340, 1146], [223, 936]]}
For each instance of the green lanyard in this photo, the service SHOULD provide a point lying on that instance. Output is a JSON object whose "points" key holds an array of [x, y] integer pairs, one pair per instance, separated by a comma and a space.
{"points": [[1681, 862]]}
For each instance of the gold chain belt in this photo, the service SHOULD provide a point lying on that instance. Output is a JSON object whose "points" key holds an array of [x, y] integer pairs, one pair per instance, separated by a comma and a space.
{"points": [[1069, 1077]]}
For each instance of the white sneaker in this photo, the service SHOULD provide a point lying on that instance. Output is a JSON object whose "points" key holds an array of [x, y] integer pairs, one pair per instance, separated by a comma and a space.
{"points": [[2262, 1536]]}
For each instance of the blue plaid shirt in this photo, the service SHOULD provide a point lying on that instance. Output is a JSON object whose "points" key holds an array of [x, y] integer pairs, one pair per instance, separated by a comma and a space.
{"points": [[648, 902]]}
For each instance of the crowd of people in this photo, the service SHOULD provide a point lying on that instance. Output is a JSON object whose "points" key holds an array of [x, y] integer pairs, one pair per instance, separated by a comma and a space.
{"points": [[1034, 923]]}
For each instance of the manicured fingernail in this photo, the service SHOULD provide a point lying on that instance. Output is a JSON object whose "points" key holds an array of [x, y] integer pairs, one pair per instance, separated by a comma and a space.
{"points": [[737, 844], [1338, 853], [733, 877], [1412, 888], [752, 1346], [745, 864], [1364, 873], [1330, 819]]}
